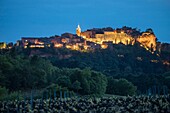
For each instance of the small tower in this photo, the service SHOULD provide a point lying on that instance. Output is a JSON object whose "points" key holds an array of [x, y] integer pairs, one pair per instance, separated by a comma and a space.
{"points": [[78, 30]]}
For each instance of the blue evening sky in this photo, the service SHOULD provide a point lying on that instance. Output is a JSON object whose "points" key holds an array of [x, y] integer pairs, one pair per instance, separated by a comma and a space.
{"points": [[34, 18]]}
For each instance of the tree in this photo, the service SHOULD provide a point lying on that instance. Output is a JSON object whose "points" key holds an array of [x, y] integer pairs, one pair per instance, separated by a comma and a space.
{"points": [[2, 79], [92, 82], [64, 81], [98, 83], [167, 79], [126, 87], [3, 92], [120, 87], [149, 30], [83, 76], [76, 85]]}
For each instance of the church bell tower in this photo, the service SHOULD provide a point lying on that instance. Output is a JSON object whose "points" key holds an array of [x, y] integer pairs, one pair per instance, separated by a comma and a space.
{"points": [[78, 30]]}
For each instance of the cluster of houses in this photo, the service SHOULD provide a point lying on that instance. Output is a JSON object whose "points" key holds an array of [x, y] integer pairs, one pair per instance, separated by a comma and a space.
{"points": [[66, 40], [87, 40]]}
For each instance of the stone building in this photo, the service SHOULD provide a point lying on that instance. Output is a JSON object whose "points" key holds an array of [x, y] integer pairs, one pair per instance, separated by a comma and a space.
{"points": [[98, 36]]}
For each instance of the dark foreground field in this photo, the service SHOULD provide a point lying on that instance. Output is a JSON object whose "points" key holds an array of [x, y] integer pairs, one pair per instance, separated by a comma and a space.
{"points": [[136, 104]]}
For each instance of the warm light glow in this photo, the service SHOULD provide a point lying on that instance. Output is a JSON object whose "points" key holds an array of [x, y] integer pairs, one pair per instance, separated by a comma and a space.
{"points": [[154, 61], [122, 31], [3, 45], [9, 47], [26, 43], [110, 36], [64, 40], [36, 46], [85, 47], [58, 45], [84, 36], [48, 45], [104, 39], [41, 43], [104, 46], [38, 42], [146, 48], [78, 30], [147, 40], [68, 46], [166, 63]]}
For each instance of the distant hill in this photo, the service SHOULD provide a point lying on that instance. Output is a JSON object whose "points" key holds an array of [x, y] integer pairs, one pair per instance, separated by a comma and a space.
{"points": [[115, 60]]}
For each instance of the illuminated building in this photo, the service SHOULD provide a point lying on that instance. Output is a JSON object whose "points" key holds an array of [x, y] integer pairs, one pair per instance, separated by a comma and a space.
{"points": [[98, 36], [3, 45], [93, 39], [78, 30]]}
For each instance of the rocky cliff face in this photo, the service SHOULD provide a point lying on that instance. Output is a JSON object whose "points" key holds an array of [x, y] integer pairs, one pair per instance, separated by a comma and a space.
{"points": [[148, 40], [125, 35]]}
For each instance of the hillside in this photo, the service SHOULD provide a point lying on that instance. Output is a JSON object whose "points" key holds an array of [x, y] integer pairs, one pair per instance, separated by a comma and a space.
{"points": [[137, 59]]}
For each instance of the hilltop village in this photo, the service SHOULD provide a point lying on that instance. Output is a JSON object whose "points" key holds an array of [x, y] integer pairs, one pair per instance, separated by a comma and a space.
{"points": [[96, 38], [128, 53]]}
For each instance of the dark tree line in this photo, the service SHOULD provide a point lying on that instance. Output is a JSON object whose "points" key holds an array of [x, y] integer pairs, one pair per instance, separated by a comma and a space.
{"points": [[20, 73], [114, 68]]}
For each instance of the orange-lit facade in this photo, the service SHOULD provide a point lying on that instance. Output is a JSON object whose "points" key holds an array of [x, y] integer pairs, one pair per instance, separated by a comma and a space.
{"points": [[3, 45], [91, 39], [147, 40]]}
